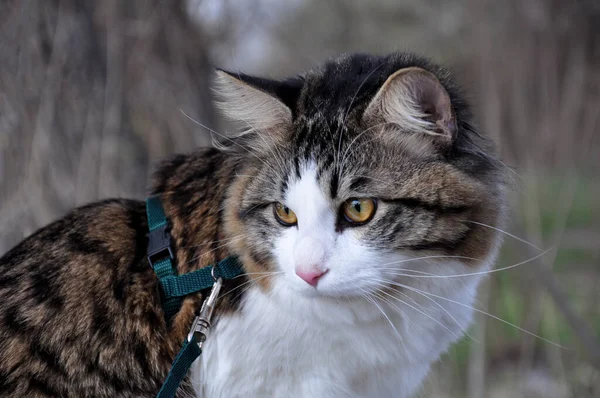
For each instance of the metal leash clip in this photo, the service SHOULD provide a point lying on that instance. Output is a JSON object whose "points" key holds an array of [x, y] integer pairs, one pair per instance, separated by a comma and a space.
{"points": [[201, 325]]}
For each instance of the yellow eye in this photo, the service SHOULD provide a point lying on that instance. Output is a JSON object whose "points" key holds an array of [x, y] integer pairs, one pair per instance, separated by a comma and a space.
{"points": [[359, 211], [284, 215]]}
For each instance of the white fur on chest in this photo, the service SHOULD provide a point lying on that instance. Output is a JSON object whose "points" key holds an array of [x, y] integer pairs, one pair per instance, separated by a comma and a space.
{"points": [[281, 345]]}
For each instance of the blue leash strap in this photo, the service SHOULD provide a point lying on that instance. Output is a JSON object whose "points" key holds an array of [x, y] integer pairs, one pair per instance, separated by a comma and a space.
{"points": [[175, 287]]}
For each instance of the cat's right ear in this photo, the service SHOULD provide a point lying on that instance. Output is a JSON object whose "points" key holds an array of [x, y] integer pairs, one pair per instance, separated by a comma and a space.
{"points": [[252, 102], [415, 101]]}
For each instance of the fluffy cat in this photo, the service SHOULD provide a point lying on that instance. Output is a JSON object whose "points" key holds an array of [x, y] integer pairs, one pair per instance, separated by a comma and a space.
{"points": [[351, 189]]}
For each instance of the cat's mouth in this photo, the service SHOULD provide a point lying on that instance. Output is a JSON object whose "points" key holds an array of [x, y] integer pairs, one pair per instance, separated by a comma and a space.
{"points": [[318, 289], [327, 288]]}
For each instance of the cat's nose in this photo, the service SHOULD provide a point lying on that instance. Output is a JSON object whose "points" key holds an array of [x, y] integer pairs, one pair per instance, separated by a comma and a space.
{"points": [[310, 276]]}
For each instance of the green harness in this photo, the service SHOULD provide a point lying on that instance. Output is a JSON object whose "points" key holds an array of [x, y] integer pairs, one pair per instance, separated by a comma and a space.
{"points": [[176, 287]]}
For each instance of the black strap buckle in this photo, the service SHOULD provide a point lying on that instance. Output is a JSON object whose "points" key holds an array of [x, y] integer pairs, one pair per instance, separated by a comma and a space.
{"points": [[159, 245]]}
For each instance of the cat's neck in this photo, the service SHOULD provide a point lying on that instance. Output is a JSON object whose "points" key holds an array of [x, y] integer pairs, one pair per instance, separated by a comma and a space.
{"points": [[192, 190]]}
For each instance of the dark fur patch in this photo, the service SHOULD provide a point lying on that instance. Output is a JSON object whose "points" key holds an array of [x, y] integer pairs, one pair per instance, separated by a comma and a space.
{"points": [[45, 288], [48, 357]]}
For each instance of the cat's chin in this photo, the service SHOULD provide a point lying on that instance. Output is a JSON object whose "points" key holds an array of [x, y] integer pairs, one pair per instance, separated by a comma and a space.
{"points": [[306, 292], [318, 292], [315, 293], [328, 307]]}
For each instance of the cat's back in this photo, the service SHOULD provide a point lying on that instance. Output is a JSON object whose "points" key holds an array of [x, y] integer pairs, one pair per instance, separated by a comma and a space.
{"points": [[80, 306], [77, 300]]}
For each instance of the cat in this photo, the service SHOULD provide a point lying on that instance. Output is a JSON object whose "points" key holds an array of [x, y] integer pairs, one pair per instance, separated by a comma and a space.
{"points": [[350, 192]]}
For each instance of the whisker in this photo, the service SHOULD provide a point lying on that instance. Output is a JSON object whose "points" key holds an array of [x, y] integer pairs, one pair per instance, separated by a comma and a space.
{"points": [[399, 271], [256, 178], [437, 304], [212, 242], [243, 284], [320, 112], [356, 138], [212, 250], [504, 232], [425, 258], [229, 139], [358, 90], [418, 310], [395, 272], [277, 156], [259, 273], [481, 272], [479, 311], [509, 168], [368, 297], [374, 179], [245, 289], [345, 118], [252, 208]]}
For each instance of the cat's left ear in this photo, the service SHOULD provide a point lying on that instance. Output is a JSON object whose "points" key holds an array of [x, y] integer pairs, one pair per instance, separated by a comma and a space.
{"points": [[252, 102], [414, 100]]}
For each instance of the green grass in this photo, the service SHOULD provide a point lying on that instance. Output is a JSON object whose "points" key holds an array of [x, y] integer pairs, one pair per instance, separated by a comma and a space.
{"points": [[567, 256], [553, 194]]}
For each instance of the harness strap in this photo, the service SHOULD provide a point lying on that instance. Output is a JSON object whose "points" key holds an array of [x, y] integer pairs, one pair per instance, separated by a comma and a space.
{"points": [[175, 287], [192, 282], [159, 252]]}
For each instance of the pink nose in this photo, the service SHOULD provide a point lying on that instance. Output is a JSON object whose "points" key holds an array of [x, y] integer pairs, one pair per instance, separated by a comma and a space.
{"points": [[311, 276]]}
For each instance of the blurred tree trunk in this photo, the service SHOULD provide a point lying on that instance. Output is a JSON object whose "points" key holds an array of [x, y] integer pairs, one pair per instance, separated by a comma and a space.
{"points": [[539, 80], [90, 96]]}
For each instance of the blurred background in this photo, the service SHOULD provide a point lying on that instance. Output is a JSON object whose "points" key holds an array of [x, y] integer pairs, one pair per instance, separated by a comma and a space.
{"points": [[92, 94]]}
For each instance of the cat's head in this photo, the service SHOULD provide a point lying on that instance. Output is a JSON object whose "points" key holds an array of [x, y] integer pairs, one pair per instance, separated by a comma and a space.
{"points": [[351, 171]]}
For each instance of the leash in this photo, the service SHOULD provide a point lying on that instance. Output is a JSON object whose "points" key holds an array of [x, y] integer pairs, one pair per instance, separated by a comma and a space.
{"points": [[174, 287]]}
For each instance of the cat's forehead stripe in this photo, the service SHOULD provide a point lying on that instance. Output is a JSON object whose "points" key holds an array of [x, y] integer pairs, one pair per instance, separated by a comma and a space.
{"points": [[334, 185], [316, 171]]}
